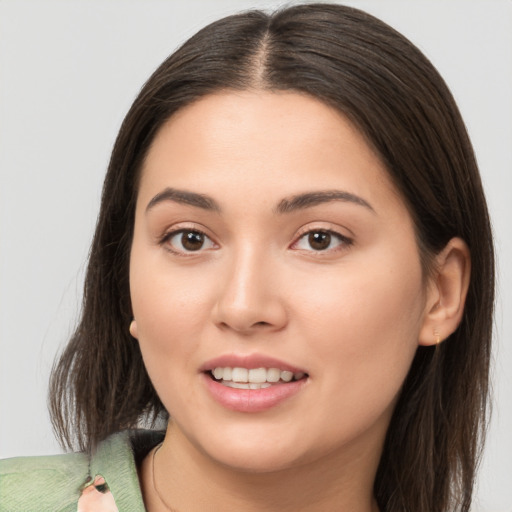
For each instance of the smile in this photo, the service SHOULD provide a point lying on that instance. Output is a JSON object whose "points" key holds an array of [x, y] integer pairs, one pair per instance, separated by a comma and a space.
{"points": [[254, 378], [252, 383]]}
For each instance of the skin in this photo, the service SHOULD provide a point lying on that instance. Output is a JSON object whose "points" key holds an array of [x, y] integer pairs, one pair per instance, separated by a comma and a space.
{"points": [[350, 315], [93, 500]]}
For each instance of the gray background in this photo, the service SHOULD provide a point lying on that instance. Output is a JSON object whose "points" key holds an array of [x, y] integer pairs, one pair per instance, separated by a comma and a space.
{"points": [[70, 70]]}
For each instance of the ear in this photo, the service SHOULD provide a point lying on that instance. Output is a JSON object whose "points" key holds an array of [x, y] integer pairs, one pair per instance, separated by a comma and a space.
{"points": [[133, 329], [446, 293]]}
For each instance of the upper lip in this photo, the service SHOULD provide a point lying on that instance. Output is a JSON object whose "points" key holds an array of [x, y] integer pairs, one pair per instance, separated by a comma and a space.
{"points": [[248, 361]]}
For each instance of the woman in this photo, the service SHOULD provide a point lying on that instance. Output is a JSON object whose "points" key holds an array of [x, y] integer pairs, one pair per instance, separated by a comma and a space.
{"points": [[293, 261]]}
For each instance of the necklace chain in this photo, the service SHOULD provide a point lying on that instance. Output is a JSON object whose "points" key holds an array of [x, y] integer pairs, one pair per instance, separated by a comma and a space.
{"points": [[153, 479], [170, 509]]}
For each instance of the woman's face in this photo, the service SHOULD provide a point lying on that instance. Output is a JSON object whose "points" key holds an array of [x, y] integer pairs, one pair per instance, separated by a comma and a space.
{"points": [[268, 235]]}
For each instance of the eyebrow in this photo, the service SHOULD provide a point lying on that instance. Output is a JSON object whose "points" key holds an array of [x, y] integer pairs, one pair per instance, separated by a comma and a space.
{"points": [[310, 199], [184, 197], [286, 205]]}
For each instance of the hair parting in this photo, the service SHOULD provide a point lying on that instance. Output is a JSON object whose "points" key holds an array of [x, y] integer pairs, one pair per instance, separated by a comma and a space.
{"points": [[388, 89]]}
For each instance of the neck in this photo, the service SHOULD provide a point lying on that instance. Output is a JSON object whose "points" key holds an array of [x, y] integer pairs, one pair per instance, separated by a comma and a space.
{"points": [[187, 480]]}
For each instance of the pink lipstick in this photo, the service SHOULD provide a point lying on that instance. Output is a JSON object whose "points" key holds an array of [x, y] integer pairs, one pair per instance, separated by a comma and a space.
{"points": [[251, 383]]}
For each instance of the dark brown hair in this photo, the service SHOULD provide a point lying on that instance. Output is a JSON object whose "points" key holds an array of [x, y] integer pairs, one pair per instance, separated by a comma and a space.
{"points": [[392, 93]]}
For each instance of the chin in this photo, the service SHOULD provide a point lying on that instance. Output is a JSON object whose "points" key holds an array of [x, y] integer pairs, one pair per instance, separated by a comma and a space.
{"points": [[255, 460], [250, 450]]}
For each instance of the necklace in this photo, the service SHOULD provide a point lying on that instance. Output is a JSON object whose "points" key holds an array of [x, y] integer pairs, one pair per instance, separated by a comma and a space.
{"points": [[153, 479]]}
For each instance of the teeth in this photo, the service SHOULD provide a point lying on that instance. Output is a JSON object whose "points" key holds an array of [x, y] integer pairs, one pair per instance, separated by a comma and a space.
{"points": [[286, 376], [273, 374], [239, 375], [255, 376], [245, 385]]}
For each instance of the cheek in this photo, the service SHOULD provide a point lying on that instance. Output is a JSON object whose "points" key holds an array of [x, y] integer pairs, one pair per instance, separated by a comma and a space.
{"points": [[364, 323], [168, 325], [366, 303], [169, 308]]}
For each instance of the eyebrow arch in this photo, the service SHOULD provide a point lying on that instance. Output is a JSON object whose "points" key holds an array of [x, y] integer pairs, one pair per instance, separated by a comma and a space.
{"points": [[184, 197], [309, 199]]}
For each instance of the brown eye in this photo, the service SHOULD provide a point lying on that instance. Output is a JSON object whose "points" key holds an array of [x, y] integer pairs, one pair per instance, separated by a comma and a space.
{"points": [[322, 241], [192, 240], [188, 240], [319, 240]]}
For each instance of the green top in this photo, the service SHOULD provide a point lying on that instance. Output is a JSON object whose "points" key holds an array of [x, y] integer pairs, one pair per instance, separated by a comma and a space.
{"points": [[55, 483]]}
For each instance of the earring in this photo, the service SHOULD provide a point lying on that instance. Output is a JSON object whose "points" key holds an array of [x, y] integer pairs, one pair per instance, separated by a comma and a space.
{"points": [[133, 328], [437, 337]]}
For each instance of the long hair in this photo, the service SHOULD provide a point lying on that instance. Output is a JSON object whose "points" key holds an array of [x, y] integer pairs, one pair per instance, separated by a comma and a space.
{"points": [[395, 97]]}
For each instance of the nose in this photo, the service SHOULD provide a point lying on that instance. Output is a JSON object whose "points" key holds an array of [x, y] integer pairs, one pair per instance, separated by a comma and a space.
{"points": [[250, 297]]}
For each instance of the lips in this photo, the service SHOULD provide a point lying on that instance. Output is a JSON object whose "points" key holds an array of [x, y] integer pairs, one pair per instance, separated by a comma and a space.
{"points": [[252, 383]]}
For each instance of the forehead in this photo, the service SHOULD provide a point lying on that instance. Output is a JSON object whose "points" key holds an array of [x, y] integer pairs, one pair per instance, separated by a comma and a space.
{"points": [[265, 142]]}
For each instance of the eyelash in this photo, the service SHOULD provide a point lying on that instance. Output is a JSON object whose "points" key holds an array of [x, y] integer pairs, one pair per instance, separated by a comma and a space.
{"points": [[343, 241], [167, 238]]}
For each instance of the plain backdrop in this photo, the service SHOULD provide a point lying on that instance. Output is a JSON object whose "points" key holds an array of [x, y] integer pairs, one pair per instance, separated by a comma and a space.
{"points": [[69, 71]]}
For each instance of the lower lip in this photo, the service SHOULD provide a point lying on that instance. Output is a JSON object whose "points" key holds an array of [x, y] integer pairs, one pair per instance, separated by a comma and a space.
{"points": [[252, 400]]}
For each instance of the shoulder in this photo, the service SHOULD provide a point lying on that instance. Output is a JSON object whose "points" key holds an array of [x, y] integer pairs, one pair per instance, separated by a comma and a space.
{"points": [[44, 483], [56, 482]]}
